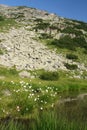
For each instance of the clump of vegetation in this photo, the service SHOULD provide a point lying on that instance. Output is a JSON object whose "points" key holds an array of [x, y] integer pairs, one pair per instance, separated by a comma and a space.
{"points": [[71, 56], [1, 52], [85, 51], [8, 71], [71, 30], [22, 7], [11, 124], [45, 36], [71, 66], [42, 26], [49, 120], [69, 43], [54, 27], [7, 23], [49, 75], [63, 42], [1, 18], [39, 20], [19, 15], [81, 25]]}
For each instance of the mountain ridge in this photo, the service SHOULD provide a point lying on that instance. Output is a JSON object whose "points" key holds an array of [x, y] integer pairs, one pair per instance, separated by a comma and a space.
{"points": [[31, 28]]}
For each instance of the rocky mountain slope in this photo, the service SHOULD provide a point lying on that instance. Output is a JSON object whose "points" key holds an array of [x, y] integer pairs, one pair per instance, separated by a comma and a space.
{"points": [[33, 39]]}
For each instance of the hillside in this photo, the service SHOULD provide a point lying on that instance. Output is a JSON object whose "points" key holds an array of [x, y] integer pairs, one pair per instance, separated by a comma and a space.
{"points": [[43, 70], [31, 39]]}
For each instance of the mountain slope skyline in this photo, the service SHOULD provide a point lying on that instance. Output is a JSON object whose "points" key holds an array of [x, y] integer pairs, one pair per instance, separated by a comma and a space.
{"points": [[68, 9], [28, 33]]}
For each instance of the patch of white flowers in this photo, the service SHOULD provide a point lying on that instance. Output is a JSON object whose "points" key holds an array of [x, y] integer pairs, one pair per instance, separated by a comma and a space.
{"points": [[39, 95]]}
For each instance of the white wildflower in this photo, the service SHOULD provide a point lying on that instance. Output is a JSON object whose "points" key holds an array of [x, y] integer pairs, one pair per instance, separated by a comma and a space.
{"points": [[18, 108], [41, 108], [46, 90], [35, 99]]}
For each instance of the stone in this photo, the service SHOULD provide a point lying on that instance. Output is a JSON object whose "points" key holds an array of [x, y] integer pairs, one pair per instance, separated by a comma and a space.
{"points": [[24, 74], [24, 50]]}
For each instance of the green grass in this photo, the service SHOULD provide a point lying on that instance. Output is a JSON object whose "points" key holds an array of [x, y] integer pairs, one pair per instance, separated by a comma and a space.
{"points": [[7, 23], [69, 43], [46, 120], [8, 72], [1, 52], [80, 52], [24, 97], [34, 100], [11, 125], [31, 104]]}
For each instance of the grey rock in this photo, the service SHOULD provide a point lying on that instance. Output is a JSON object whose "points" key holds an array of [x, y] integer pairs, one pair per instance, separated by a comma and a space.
{"points": [[25, 74]]}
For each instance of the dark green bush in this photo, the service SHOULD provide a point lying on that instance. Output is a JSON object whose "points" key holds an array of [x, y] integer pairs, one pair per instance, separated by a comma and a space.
{"points": [[22, 7], [71, 30], [39, 20], [20, 15], [45, 36], [53, 27], [71, 66], [81, 25], [1, 52], [69, 43], [42, 25], [72, 56], [49, 75], [1, 18], [63, 42], [85, 51]]}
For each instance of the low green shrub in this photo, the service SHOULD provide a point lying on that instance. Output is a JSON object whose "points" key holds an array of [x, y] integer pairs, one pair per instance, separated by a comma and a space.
{"points": [[63, 42], [1, 52], [71, 30], [1, 18], [71, 66], [81, 25], [85, 51], [42, 25], [21, 7], [8, 71], [39, 20], [45, 36], [71, 56], [69, 43], [48, 75]]}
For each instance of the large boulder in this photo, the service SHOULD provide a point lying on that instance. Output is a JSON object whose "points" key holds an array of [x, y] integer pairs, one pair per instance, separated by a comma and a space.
{"points": [[24, 74]]}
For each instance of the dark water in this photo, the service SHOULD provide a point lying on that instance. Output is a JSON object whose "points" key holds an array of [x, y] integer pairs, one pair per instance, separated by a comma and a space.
{"points": [[73, 106], [70, 107]]}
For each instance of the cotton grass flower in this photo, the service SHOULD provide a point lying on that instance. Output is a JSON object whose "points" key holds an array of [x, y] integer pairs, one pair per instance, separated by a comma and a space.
{"points": [[18, 108], [35, 99], [41, 108]]}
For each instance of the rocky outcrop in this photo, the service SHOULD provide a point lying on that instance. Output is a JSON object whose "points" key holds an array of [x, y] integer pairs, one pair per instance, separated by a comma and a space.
{"points": [[25, 53], [20, 47]]}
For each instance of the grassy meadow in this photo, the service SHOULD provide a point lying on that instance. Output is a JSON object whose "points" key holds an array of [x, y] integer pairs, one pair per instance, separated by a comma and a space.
{"points": [[34, 103], [31, 104]]}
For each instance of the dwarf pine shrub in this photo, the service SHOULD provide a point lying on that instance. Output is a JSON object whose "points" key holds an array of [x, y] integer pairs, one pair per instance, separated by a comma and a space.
{"points": [[49, 75], [72, 56], [71, 66]]}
